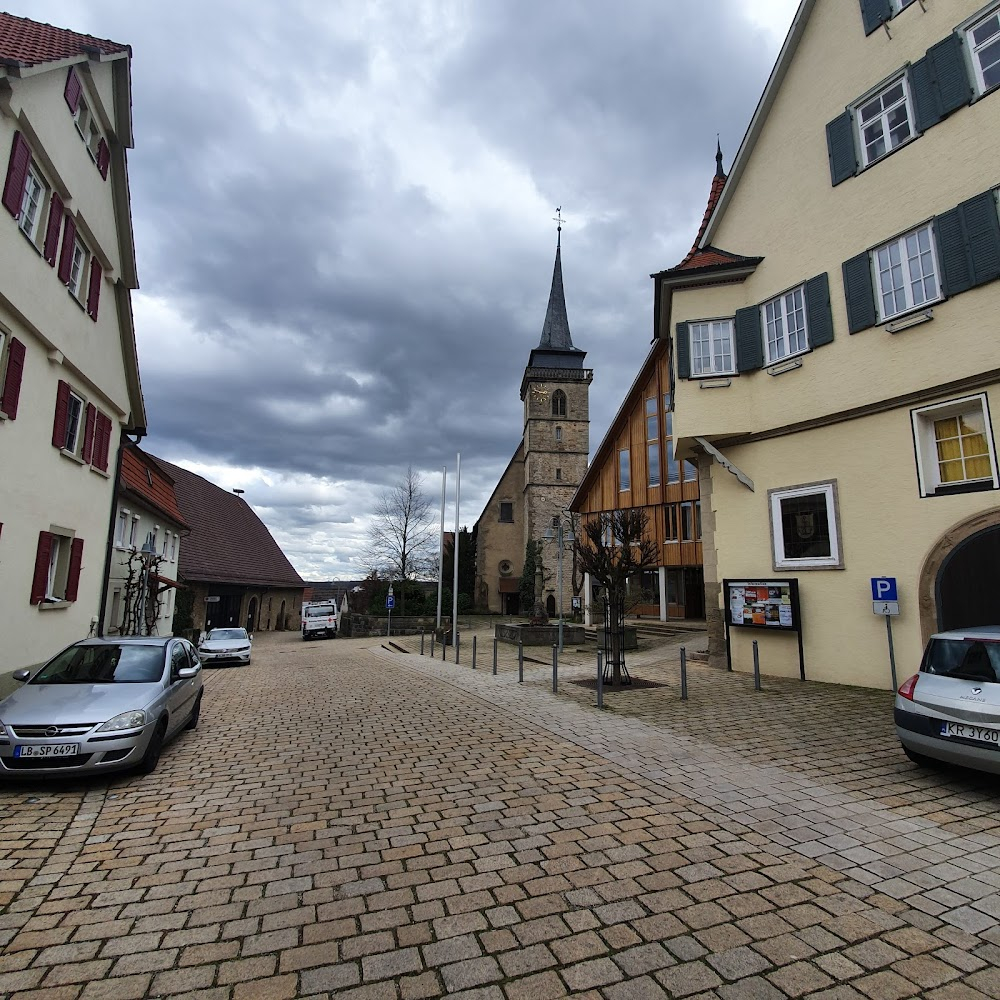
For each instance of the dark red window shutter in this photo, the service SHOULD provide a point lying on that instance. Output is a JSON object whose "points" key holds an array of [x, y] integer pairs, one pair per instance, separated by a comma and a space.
{"points": [[88, 433], [62, 415], [66, 256], [52, 232], [102, 442], [73, 90], [103, 158], [40, 579], [12, 380], [17, 174], [94, 293], [75, 562]]}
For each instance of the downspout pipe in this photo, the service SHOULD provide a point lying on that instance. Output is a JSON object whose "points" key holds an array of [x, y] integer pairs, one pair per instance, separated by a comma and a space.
{"points": [[123, 439]]}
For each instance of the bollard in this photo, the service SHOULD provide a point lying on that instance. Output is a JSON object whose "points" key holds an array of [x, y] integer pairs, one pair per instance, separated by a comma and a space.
{"points": [[432, 645], [756, 667], [684, 674], [600, 679], [555, 669], [458, 639], [421, 643], [444, 646], [473, 652], [495, 641], [520, 662]]}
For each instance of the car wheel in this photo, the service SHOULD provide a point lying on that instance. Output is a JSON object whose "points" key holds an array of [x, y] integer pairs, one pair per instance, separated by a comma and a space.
{"points": [[192, 723], [152, 755], [919, 759]]}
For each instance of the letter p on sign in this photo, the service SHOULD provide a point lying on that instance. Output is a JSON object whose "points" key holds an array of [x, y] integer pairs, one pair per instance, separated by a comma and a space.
{"points": [[884, 588]]}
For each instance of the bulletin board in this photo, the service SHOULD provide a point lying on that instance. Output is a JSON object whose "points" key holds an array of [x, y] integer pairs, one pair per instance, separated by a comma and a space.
{"points": [[765, 605]]}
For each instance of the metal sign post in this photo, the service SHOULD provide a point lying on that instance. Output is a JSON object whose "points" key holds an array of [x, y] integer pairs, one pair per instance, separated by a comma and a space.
{"points": [[885, 602], [390, 603]]}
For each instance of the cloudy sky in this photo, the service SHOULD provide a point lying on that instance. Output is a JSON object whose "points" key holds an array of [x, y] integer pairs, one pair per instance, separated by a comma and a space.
{"points": [[343, 217]]}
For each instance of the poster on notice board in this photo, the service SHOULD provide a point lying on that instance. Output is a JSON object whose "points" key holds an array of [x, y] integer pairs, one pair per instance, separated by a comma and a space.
{"points": [[767, 604]]}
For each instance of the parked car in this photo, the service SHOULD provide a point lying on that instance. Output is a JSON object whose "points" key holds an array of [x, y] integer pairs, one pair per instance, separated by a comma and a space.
{"points": [[950, 710], [100, 705], [225, 645]]}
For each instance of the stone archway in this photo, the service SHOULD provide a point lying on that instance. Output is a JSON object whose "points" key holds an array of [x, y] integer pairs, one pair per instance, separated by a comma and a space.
{"points": [[947, 557]]}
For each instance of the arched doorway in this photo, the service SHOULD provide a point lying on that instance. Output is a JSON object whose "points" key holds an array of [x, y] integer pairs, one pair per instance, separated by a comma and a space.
{"points": [[954, 555], [550, 606], [251, 614], [968, 583]]}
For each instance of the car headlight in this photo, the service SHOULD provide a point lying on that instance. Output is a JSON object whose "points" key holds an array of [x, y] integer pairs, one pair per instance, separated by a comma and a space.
{"points": [[127, 720]]}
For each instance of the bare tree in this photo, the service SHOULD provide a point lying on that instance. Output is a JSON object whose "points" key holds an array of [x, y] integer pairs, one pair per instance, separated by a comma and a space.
{"points": [[614, 547], [401, 537], [143, 596]]}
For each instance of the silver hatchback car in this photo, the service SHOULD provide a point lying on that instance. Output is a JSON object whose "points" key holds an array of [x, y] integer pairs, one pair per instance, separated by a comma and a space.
{"points": [[950, 711], [100, 705]]}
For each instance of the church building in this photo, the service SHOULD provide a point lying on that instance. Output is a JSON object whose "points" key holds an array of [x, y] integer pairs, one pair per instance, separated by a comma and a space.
{"points": [[545, 471]]}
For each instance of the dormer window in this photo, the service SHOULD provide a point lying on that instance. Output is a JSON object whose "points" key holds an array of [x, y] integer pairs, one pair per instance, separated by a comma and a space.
{"points": [[559, 403]]}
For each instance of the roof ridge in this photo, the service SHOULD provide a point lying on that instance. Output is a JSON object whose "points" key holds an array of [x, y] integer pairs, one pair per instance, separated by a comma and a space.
{"points": [[30, 43]]}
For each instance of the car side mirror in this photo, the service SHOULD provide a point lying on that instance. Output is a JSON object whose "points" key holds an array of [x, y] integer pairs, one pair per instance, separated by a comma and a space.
{"points": [[186, 673], [21, 675]]}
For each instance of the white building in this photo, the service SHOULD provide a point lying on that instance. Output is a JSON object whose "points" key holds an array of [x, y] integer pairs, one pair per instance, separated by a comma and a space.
{"points": [[69, 379]]}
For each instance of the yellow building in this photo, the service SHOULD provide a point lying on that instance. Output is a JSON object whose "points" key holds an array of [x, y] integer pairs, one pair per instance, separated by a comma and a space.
{"points": [[835, 354]]}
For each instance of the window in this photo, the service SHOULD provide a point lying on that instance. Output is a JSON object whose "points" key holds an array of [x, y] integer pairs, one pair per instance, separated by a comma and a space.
{"points": [[559, 434], [133, 534], [624, 470], [558, 474], [687, 522], [652, 424], [173, 548], [670, 522], [983, 40], [31, 205], [898, 5], [77, 261], [506, 512], [906, 273], [690, 472], [121, 528], [58, 561], [784, 321], [883, 121], [74, 419], [653, 439], [804, 527], [559, 403], [13, 371], [954, 447], [653, 453], [712, 347]]}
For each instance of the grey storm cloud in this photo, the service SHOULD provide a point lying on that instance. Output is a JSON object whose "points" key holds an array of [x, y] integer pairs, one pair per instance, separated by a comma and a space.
{"points": [[343, 224]]}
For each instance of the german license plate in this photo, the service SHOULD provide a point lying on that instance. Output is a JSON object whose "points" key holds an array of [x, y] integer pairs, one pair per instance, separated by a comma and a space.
{"points": [[965, 731], [46, 750]]}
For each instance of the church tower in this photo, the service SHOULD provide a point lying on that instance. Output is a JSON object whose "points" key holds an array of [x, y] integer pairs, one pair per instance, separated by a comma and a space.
{"points": [[555, 391]]}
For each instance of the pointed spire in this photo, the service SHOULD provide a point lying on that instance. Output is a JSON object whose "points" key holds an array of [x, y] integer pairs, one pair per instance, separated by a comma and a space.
{"points": [[555, 329], [719, 172]]}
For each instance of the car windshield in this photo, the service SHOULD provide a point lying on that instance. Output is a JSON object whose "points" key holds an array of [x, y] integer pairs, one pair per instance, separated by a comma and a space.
{"points": [[105, 664], [227, 633], [969, 659], [321, 612]]}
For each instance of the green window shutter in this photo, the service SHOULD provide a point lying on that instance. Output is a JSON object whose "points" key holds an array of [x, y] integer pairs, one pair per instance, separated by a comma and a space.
{"points": [[956, 268], [841, 148], [682, 350], [749, 346], [951, 75], [982, 233], [859, 290], [874, 13], [819, 315], [925, 100]]}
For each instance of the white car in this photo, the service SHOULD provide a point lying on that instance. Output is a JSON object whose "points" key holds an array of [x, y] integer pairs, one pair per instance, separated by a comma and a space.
{"points": [[225, 645]]}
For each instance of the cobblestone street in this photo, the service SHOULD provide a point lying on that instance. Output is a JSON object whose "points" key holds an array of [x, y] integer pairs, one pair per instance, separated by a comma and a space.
{"points": [[354, 819]]}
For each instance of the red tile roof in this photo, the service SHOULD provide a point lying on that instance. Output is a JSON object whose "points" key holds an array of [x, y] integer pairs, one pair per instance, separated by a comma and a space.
{"points": [[31, 42], [718, 183], [228, 542], [143, 478]]}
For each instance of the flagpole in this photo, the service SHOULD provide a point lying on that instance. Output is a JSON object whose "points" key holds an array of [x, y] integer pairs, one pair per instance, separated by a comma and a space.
{"points": [[444, 481], [458, 490]]}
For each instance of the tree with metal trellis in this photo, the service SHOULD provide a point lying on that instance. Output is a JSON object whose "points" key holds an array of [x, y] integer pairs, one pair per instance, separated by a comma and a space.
{"points": [[614, 550]]}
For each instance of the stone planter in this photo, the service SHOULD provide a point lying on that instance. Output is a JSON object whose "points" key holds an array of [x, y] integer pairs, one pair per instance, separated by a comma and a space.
{"points": [[631, 638], [541, 635]]}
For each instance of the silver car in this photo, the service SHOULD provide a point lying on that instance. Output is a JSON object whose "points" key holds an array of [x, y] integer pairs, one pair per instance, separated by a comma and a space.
{"points": [[950, 711], [100, 705], [225, 645]]}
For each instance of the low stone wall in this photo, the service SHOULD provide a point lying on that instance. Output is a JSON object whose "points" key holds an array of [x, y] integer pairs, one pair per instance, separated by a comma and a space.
{"points": [[541, 635], [366, 626]]}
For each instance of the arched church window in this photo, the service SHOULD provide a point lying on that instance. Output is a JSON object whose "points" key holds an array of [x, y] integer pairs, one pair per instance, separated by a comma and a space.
{"points": [[559, 403]]}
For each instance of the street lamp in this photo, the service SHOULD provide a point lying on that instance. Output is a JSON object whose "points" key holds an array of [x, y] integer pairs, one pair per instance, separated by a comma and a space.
{"points": [[555, 533]]}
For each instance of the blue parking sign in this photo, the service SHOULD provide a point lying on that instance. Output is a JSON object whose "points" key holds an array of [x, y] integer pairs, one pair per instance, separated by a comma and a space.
{"points": [[390, 602], [884, 588]]}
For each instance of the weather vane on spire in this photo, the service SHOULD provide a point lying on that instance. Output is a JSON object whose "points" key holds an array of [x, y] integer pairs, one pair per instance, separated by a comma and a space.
{"points": [[558, 218]]}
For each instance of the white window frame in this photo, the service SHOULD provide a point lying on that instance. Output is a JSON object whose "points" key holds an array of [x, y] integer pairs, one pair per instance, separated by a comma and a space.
{"points": [[777, 316], [860, 126], [716, 338], [905, 263], [32, 204], [133, 535], [973, 49], [829, 491], [77, 267], [76, 409], [925, 445], [173, 547], [121, 528], [899, 5]]}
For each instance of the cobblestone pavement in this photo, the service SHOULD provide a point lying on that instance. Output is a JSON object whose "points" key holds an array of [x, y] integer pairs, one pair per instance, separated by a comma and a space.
{"points": [[355, 819]]}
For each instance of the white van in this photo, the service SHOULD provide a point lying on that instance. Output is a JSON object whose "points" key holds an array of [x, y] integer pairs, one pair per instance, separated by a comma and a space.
{"points": [[319, 620]]}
